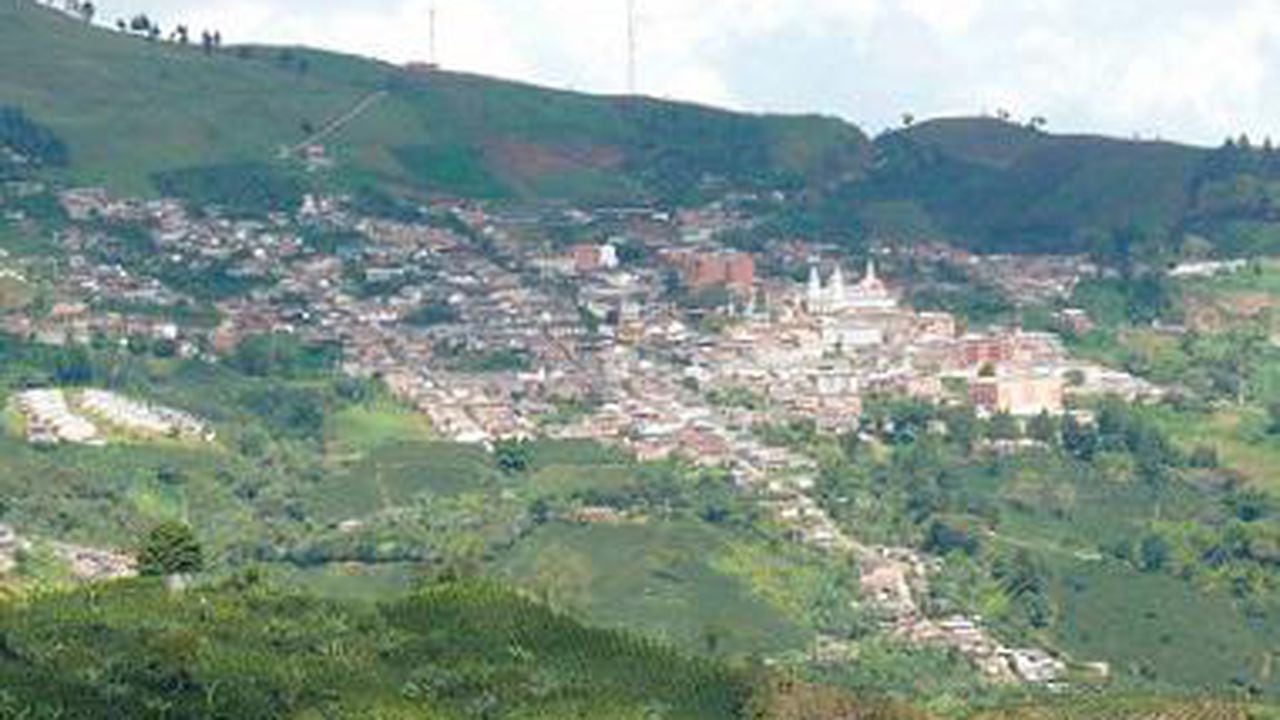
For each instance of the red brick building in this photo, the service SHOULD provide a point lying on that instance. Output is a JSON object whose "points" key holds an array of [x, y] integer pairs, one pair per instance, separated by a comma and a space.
{"points": [[586, 257], [978, 350], [700, 270]]}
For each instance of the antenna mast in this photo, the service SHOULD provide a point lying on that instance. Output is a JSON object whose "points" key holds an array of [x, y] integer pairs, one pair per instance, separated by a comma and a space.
{"points": [[435, 61], [631, 46]]}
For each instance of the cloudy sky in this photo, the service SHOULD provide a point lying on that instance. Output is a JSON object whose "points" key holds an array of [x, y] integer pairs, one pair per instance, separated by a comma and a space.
{"points": [[1194, 70]]}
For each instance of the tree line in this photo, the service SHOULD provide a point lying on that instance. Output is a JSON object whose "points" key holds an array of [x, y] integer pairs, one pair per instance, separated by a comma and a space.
{"points": [[141, 25]]}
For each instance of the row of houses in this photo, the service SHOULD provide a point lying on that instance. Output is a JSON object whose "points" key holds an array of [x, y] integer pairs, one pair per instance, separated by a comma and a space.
{"points": [[53, 417]]}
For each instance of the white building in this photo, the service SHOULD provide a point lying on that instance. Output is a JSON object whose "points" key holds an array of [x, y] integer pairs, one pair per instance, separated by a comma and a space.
{"points": [[841, 335], [609, 257], [869, 295]]}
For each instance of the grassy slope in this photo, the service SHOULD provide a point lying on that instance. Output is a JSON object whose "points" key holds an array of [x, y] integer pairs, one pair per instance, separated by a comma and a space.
{"points": [[448, 652], [978, 140], [1006, 187], [1164, 628], [1148, 625], [673, 579], [129, 108], [1239, 434]]}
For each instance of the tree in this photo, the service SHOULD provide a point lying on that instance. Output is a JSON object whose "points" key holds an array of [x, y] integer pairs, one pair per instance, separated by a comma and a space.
{"points": [[1078, 439], [88, 11], [170, 548], [1244, 348], [1153, 553], [713, 637], [1043, 428], [947, 536], [431, 314], [512, 456], [1003, 426], [962, 427], [1026, 582], [1204, 457]]}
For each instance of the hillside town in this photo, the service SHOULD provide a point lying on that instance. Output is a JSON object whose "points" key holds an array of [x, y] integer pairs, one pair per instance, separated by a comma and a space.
{"points": [[655, 377], [656, 336]]}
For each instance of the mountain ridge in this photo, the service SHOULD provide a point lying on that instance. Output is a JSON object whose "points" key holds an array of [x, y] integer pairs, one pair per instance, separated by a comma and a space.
{"points": [[126, 109], [143, 118]]}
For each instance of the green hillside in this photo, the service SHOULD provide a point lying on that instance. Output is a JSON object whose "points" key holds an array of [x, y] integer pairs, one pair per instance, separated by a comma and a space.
{"points": [[982, 141], [132, 112], [992, 185], [98, 107], [247, 651]]}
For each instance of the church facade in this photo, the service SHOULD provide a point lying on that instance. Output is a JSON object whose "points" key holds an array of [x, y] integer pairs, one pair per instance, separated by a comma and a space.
{"points": [[835, 297]]}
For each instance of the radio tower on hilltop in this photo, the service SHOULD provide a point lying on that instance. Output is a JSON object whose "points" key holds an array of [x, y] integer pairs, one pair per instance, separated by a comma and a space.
{"points": [[631, 46], [435, 61]]}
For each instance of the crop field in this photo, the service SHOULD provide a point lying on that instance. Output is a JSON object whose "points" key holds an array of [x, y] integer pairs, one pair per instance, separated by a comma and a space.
{"points": [[662, 578]]}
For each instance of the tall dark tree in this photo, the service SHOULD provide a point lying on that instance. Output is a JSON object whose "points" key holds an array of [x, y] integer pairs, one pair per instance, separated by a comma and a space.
{"points": [[1003, 426], [1043, 428], [170, 548], [1078, 439], [512, 456], [1273, 416]]}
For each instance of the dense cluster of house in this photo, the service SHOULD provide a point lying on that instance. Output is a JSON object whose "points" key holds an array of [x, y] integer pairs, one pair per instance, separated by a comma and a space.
{"points": [[492, 335]]}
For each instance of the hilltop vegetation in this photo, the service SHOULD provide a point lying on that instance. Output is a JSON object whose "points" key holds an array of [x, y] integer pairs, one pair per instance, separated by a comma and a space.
{"points": [[142, 117], [247, 651], [993, 185], [92, 106]]}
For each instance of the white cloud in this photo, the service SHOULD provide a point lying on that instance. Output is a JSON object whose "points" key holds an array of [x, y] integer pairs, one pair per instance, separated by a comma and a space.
{"points": [[948, 17]]}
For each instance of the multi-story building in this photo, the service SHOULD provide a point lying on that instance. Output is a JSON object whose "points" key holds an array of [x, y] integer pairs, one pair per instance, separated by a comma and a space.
{"points": [[1020, 394]]}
